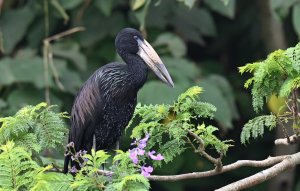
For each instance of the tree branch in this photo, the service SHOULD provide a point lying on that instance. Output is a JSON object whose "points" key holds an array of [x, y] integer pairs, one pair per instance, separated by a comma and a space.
{"points": [[287, 163], [241, 163], [201, 151], [284, 141]]}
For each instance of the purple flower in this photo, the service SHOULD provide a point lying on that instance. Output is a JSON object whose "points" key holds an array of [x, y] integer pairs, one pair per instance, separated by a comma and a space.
{"points": [[153, 157], [133, 155], [140, 151], [146, 171], [143, 142], [74, 170]]}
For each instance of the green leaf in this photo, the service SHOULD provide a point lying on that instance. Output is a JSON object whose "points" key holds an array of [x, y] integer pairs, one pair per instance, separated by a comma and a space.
{"points": [[164, 93], [56, 4], [13, 28], [205, 22], [183, 73], [296, 18], [282, 8], [1, 42], [71, 51], [136, 4], [174, 44], [68, 5], [227, 10], [218, 97], [225, 1], [7, 76], [69, 78], [96, 30], [255, 127], [188, 3], [52, 181], [105, 6], [29, 69], [184, 21], [3, 104], [141, 14], [17, 168], [21, 97]]}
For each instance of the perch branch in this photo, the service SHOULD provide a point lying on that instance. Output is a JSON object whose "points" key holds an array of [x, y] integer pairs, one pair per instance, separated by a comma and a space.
{"points": [[241, 163], [284, 141], [281, 163], [287, 163], [195, 175]]}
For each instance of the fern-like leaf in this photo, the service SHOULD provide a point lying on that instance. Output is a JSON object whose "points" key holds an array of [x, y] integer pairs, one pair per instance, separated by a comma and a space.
{"points": [[255, 127], [34, 128], [17, 170], [131, 182], [52, 181]]}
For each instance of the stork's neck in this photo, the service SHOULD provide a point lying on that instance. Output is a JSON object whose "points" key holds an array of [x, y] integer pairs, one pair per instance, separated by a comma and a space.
{"points": [[137, 69]]}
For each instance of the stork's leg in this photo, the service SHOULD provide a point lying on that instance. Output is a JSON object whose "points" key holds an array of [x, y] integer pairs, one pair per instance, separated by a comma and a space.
{"points": [[94, 147], [94, 142], [117, 145], [117, 148]]}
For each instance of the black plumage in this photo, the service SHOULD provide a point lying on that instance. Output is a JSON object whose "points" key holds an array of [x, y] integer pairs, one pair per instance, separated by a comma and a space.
{"points": [[106, 102]]}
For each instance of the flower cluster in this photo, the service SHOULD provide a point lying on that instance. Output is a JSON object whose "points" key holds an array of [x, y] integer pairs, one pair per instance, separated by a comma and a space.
{"points": [[139, 150], [76, 156]]}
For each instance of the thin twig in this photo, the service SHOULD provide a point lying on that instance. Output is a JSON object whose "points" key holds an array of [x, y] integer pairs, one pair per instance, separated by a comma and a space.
{"points": [[202, 152], [48, 59], [54, 71], [63, 34], [201, 142], [192, 145], [284, 130], [46, 72]]}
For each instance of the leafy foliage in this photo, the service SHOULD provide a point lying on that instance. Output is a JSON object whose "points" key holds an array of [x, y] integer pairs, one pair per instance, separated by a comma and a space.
{"points": [[255, 127], [267, 78], [278, 74], [52, 181], [168, 125], [34, 128], [16, 167]]}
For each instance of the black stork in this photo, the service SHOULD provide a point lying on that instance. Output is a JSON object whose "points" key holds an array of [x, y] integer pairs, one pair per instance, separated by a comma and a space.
{"points": [[105, 103]]}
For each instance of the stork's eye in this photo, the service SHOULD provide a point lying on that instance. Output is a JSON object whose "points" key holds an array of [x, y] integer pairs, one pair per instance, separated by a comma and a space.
{"points": [[135, 37]]}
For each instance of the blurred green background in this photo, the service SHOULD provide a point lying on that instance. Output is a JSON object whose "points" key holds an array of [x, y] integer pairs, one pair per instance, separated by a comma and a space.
{"points": [[201, 43]]}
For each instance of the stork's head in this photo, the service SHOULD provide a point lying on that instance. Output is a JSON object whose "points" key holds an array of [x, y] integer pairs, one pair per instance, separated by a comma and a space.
{"points": [[131, 41]]}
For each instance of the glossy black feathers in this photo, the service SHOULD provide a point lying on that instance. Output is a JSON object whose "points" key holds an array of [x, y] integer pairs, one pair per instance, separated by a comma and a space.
{"points": [[106, 102]]}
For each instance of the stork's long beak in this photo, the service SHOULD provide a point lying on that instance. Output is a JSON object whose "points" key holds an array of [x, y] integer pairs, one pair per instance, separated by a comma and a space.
{"points": [[150, 57]]}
